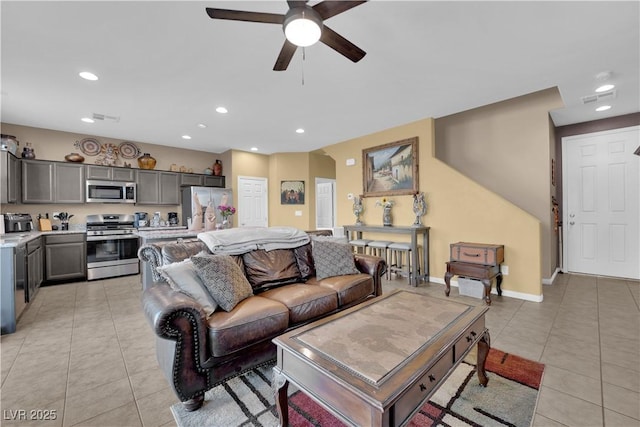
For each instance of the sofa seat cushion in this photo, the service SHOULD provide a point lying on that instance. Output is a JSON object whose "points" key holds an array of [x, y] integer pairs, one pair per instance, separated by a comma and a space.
{"points": [[350, 288], [252, 320], [303, 301]]}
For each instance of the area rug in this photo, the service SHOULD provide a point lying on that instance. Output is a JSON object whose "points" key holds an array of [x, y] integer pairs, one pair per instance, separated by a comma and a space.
{"points": [[509, 399]]}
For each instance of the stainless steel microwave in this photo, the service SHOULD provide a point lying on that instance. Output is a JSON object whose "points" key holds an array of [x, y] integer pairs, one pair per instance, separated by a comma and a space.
{"points": [[111, 192]]}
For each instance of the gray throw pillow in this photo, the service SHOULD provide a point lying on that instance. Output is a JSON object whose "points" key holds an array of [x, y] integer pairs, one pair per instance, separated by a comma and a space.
{"points": [[223, 278], [183, 277], [332, 259]]}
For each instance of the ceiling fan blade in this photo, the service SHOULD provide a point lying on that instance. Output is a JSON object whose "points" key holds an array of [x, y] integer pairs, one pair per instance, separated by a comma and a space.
{"points": [[341, 45], [327, 9], [239, 15], [284, 58]]}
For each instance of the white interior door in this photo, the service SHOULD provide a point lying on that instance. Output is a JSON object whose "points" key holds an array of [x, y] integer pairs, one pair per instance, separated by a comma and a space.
{"points": [[253, 202], [325, 203], [601, 203]]}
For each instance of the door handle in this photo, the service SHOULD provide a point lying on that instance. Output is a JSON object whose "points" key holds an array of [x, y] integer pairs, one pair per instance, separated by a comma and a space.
{"points": [[571, 222]]}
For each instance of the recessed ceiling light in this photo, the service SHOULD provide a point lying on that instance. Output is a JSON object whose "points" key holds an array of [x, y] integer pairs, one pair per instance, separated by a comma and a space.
{"points": [[299, 130], [603, 108], [254, 148], [88, 76], [222, 110], [605, 88], [87, 120], [186, 137], [202, 125]]}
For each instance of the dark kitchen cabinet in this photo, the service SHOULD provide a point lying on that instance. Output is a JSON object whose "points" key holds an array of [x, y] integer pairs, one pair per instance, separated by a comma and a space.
{"points": [[35, 275], [37, 182], [158, 188], [10, 178], [107, 173], [65, 257], [69, 183], [214, 181], [52, 182]]}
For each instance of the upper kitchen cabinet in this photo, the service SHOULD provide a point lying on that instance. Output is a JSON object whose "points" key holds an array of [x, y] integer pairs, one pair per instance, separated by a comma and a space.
{"points": [[158, 188], [107, 173], [52, 182], [214, 181], [198, 180], [9, 178]]}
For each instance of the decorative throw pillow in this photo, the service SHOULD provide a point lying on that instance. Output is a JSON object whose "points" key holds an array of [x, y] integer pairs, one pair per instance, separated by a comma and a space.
{"points": [[183, 277], [333, 259], [223, 278]]}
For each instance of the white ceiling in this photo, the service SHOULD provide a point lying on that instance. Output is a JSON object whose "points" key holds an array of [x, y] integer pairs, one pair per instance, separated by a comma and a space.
{"points": [[165, 66]]}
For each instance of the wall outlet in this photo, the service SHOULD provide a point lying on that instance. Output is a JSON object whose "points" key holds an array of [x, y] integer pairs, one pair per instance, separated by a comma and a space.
{"points": [[298, 213], [351, 162], [505, 270]]}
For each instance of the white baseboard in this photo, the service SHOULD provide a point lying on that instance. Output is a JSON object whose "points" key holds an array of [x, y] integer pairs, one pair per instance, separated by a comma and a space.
{"points": [[505, 292], [552, 279]]}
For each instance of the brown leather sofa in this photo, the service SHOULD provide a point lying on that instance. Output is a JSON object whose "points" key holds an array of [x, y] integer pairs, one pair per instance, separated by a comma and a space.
{"points": [[197, 352]]}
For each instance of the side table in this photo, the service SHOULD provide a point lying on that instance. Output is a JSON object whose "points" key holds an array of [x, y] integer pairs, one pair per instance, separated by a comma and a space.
{"points": [[484, 273]]}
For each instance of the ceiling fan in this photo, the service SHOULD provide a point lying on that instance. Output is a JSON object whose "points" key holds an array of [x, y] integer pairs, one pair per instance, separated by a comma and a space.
{"points": [[302, 25]]}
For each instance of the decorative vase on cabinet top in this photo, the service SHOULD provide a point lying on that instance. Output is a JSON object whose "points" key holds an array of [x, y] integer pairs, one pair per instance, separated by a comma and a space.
{"points": [[146, 161], [217, 168]]}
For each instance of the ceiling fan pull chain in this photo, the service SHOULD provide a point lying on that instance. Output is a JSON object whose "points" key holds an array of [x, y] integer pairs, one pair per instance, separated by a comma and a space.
{"points": [[304, 55]]}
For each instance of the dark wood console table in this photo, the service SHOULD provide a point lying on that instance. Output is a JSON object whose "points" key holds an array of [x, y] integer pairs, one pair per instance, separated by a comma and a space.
{"points": [[355, 232], [484, 273]]}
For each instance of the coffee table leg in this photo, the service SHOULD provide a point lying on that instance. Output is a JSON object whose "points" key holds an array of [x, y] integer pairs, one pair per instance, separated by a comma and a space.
{"points": [[483, 350], [280, 386]]}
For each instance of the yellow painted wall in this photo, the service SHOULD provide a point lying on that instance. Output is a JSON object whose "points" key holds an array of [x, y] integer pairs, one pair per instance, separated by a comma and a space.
{"points": [[459, 209]]}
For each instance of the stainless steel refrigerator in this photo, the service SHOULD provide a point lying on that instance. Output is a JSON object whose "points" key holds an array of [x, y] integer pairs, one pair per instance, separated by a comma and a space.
{"points": [[205, 195]]}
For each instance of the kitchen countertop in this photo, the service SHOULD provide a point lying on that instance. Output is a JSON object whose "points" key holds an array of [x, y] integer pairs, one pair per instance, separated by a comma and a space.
{"points": [[15, 239], [147, 233], [165, 233]]}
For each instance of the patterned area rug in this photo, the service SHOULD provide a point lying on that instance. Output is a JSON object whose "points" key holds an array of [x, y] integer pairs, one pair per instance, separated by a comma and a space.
{"points": [[509, 400]]}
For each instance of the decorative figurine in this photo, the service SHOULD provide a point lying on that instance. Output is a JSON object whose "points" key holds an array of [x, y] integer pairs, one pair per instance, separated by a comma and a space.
{"points": [[210, 217], [419, 208], [358, 208]]}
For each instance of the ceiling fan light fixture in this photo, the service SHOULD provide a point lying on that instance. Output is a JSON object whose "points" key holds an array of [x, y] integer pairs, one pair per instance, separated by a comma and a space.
{"points": [[302, 26]]}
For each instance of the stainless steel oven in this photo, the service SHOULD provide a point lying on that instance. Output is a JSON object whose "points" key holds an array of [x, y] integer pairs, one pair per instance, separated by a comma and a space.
{"points": [[112, 246]]}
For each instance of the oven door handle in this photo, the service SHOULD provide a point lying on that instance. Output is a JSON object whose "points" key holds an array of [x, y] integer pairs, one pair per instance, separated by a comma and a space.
{"points": [[111, 237]]}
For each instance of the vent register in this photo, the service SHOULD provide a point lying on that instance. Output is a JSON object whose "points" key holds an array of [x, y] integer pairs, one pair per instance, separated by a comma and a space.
{"points": [[598, 97]]}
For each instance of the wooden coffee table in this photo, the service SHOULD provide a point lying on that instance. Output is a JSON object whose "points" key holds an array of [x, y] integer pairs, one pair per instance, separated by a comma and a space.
{"points": [[377, 363]]}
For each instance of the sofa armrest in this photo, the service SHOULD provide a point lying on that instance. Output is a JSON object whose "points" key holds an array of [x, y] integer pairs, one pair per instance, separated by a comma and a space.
{"points": [[152, 254], [373, 265], [177, 317]]}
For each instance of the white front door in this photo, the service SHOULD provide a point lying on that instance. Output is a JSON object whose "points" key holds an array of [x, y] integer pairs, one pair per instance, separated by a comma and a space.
{"points": [[601, 203], [325, 206], [252, 202]]}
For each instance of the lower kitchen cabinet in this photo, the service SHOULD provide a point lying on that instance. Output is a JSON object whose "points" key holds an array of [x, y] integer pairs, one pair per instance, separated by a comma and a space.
{"points": [[35, 276], [65, 257]]}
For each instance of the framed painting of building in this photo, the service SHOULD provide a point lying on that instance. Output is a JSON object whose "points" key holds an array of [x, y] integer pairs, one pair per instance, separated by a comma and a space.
{"points": [[391, 169], [292, 192]]}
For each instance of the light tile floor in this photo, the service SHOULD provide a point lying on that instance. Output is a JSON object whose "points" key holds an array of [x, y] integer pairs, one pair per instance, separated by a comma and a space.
{"points": [[84, 352]]}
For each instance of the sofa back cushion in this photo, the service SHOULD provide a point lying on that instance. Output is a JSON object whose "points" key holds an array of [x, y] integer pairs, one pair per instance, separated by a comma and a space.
{"points": [[267, 269], [304, 259], [181, 250]]}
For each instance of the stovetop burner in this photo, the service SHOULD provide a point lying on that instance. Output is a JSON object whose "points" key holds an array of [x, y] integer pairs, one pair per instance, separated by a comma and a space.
{"points": [[110, 224]]}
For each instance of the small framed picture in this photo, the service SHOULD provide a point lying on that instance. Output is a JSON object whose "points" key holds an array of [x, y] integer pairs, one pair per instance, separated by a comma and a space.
{"points": [[292, 192]]}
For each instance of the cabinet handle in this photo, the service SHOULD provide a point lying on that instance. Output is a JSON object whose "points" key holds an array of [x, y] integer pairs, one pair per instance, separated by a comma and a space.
{"points": [[473, 334], [469, 339], [468, 254], [423, 387], [431, 378]]}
